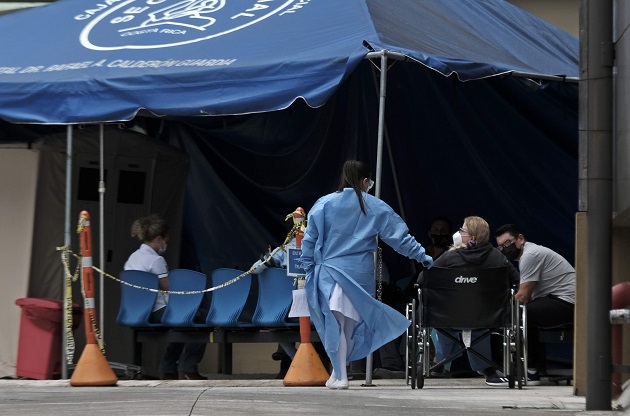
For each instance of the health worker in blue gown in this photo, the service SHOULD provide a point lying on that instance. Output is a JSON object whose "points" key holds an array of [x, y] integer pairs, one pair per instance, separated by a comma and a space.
{"points": [[338, 256]]}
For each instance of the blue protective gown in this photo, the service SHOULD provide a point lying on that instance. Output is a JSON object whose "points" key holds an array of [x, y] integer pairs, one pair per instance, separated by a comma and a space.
{"points": [[338, 247]]}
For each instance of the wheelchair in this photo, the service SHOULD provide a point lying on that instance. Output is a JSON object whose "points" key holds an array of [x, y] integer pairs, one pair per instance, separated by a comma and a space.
{"points": [[465, 299]]}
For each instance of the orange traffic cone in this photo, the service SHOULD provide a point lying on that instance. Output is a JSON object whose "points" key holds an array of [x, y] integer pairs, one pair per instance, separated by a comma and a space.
{"points": [[92, 368], [306, 368]]}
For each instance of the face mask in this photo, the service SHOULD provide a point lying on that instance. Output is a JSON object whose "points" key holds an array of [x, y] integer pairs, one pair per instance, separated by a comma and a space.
{"points": [[370, 185], [439, 240], [457, 238], [162, 250], [511, 252]]}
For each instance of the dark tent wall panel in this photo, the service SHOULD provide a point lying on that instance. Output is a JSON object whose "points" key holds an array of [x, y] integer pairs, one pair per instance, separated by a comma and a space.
{"points": [[495, 148], [249, 172], [491, 148]]}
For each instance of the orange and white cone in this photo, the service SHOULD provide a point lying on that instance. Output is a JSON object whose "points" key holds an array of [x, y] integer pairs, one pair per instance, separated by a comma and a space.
{"points": [[92, 368], [306, 367]]}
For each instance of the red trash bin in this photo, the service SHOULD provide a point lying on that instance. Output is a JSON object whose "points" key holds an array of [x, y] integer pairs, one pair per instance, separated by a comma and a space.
{"points": [[39, 349]]}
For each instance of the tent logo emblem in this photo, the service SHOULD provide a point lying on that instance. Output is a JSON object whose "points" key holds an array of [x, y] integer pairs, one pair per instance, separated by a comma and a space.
{"points": [[148, 24]]}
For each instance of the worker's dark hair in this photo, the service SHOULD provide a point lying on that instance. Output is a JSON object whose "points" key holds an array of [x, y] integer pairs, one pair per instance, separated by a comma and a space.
{"points": [[508, 228], [147, 229], [352, 175], [444, 219]]}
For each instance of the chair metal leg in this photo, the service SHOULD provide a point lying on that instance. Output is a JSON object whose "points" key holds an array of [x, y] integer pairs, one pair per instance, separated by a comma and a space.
{"points": [[523, 334], [518, 347], [423, 356], [409, 337], [413, 362]]}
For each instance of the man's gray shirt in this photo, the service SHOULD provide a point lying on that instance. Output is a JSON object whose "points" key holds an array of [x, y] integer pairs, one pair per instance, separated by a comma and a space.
{"points": [[553, 274]]}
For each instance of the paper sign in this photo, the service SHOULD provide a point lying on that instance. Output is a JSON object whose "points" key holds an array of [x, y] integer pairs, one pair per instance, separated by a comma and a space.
{"points": [[294, 264], [299, 307]]}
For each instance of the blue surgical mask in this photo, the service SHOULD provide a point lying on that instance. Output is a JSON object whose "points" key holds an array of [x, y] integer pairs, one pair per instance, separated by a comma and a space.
{"points": [[162, 250]]}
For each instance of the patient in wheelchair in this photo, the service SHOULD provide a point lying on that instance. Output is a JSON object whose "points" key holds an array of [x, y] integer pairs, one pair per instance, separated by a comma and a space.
{"points": [[472, 249]]}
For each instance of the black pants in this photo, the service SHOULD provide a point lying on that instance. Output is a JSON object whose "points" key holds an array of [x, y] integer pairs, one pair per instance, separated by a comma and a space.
{"points": [[179, 356], [545, 312]]}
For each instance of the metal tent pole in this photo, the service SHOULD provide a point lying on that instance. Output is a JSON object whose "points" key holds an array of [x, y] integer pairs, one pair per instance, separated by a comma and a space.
{"points": [[66, 242], [390, 155], [379, 171], [101, 236]]}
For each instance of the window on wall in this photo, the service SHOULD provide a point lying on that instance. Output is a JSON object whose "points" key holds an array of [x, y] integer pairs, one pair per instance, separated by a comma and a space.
{"points": [[87, 188], [131, 187]]}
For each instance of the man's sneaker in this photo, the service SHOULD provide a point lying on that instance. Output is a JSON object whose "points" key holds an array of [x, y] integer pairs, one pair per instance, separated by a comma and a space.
{"points": [[533, 378], [191, 376], [440, 372], [497, 381]]}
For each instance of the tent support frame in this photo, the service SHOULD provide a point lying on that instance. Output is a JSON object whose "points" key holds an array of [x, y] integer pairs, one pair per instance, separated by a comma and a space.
{"points": [[379, 170], [101, 234]]}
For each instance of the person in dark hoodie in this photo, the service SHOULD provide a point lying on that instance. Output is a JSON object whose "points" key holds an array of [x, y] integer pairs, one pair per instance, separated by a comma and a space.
{"points": [[472, 248]]}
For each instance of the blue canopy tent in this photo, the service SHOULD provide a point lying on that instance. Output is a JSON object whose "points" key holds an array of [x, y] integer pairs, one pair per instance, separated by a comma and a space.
{"points": [[481, 113], [98, 61]]}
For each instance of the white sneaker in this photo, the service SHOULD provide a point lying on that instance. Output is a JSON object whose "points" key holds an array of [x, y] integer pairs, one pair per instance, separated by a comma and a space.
{"points": [[338, 385], [332, 380]]}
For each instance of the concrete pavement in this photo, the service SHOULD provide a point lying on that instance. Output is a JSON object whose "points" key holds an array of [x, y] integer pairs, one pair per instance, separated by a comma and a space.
{"points": [[231, 395]]}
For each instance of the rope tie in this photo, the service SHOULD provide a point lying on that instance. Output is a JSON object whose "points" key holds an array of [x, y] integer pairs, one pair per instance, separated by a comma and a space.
{"points": [[66, 251]]}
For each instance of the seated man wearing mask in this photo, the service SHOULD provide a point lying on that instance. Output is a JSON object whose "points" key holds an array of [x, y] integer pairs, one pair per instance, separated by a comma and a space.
{"points": [[547, 287]]}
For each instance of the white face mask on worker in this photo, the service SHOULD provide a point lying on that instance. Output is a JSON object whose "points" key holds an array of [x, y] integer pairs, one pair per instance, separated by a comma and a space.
{"points": [[457, 238]]}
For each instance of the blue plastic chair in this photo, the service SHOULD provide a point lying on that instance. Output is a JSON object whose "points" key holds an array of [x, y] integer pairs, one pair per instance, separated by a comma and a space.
{"points": [[182, 309], [275, 295], [229, 301], [136, 304]]}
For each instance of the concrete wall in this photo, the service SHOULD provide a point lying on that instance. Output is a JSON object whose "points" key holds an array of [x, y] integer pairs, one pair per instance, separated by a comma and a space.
{"points": [[621, 154], [621, 203], [564, 14], [621, 197], [18, 180]]}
